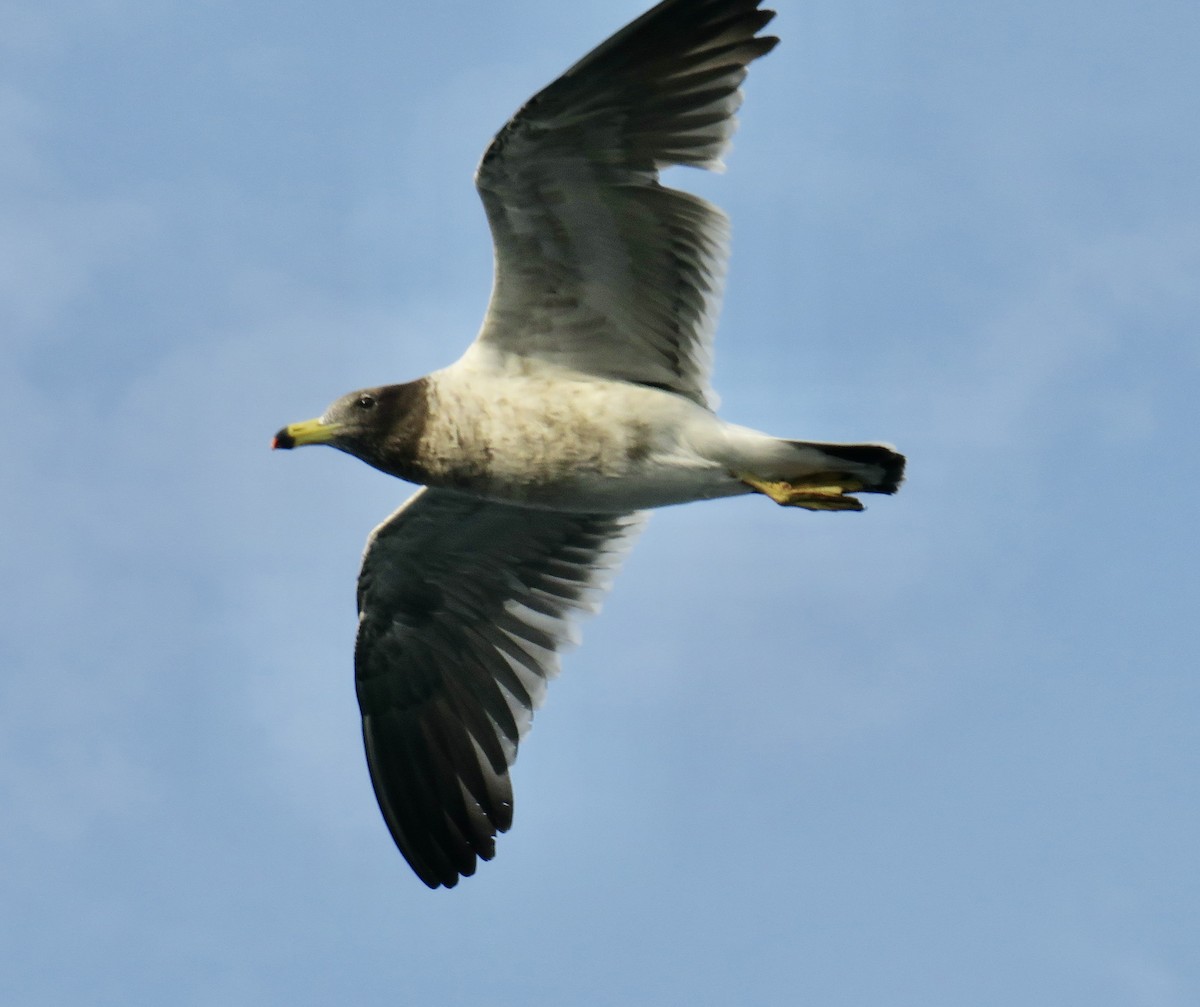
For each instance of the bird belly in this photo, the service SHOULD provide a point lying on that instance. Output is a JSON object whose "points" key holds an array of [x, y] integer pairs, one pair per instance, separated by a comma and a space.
{"points": [[578, 445]]}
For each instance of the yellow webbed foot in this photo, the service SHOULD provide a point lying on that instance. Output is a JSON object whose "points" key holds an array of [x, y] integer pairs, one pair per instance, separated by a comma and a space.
{"points": [[824, 491]]}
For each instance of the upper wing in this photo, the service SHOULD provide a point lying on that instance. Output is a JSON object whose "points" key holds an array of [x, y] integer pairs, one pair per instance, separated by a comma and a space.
{"points": [[463, 605], [599, 268]]}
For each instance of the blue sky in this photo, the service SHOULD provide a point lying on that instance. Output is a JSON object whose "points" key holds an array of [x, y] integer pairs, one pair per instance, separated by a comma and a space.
{"points": [[940, 753]]}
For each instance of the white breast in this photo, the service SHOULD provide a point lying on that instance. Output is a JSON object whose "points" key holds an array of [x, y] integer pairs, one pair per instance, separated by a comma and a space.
{"points": [[569, 441]]}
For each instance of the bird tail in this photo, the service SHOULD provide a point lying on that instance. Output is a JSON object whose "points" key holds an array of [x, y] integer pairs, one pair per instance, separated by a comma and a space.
{"points": [[820, 476], [878, 467]]}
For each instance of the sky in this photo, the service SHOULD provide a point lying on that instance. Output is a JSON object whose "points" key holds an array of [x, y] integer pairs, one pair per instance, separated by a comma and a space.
{"points": [[940, 753]]}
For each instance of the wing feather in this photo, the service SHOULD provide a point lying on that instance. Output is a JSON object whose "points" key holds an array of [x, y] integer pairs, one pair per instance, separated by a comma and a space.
{"points": [[599, 268], [464, 605]]}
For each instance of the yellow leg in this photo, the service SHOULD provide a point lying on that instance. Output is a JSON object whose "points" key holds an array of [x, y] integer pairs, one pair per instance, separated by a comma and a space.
{"points": [[822, 491]]}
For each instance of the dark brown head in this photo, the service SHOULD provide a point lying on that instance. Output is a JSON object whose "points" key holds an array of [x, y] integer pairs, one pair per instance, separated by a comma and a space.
{"points": [[382, 426]]}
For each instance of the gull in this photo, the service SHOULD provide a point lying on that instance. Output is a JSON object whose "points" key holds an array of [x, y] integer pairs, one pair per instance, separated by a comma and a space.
{"points": [[584, 401]]}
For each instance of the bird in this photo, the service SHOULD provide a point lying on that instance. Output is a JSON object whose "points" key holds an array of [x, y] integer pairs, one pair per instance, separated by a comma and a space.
{"points": [[584, 401]]}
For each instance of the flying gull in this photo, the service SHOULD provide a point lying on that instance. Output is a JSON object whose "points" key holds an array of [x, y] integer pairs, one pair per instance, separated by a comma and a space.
{"points": [[583, 401]]}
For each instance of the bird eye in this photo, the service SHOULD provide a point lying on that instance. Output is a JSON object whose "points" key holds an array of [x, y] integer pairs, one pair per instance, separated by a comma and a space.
{"points": [[366, 402]]}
